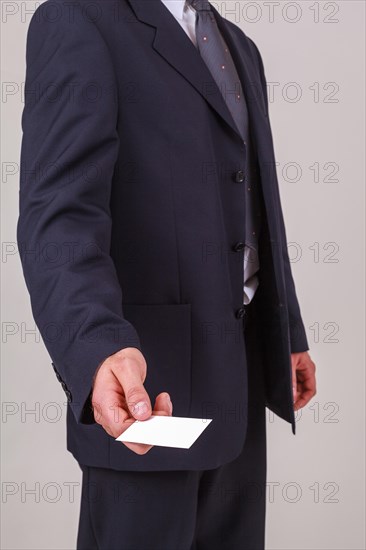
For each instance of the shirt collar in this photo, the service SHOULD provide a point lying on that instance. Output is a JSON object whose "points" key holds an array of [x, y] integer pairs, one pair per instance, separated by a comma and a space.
{"points": [[176, 7]]}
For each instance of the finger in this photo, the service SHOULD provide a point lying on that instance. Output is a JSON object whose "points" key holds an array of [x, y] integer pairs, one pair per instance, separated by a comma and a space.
{"points": [[294, 383], [306, 383], [299, 404], [138, 448], [303, 399], [114, 419], [115, 429], [137, 399], [294, 393], [163, 404], [163, 407]]}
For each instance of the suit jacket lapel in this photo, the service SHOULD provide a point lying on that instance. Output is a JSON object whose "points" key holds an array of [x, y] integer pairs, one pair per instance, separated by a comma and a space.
{"points": [[172, 43]]}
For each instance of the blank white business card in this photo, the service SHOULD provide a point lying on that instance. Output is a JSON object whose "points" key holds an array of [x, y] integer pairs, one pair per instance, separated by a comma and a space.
{"points": [[165, 431]]}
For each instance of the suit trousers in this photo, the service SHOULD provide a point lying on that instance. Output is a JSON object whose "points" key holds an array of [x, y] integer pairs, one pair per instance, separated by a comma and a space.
{"points": [[222, 508]]}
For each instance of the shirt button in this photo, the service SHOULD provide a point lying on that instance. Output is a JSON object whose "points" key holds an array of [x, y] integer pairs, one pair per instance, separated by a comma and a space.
{"points": [[239, 176]]}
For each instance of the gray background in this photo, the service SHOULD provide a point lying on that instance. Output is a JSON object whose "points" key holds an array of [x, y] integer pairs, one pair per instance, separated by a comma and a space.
{"points": [[314, 59]]}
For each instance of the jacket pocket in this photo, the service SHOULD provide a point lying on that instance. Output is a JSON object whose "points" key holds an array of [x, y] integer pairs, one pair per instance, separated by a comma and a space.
{"points": [[165, 335]]}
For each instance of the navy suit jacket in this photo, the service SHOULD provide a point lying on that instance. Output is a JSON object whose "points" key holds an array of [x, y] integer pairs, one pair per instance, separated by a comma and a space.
{"points": [[131, 203]]}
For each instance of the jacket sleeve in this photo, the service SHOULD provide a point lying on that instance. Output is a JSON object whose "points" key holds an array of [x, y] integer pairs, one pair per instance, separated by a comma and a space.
{"points": [[69, 149], [298, 339]]}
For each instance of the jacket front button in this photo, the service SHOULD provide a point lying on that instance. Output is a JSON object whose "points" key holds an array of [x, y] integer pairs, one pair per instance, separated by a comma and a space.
{"points": [[240, 313], [239, 176], [238, 247]]}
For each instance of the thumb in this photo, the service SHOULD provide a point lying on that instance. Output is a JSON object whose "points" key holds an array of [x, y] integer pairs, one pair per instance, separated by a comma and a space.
{"points": [[137, 398]]}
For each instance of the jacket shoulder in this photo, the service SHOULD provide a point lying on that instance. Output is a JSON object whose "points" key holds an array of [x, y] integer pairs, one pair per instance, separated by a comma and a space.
{"points": [[245, 40]]}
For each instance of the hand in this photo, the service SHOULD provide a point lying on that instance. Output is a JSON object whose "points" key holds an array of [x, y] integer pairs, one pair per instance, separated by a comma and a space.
{"points": [[119, 397], [303, 377]]}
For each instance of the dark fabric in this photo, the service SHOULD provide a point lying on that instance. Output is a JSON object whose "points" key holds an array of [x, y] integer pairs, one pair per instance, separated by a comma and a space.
{"points": [[218, 509], [131, 207], [216, 54]]}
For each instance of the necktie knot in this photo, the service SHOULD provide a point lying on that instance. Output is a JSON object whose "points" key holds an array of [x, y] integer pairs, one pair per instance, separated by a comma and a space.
{"points": [[199, 5]]}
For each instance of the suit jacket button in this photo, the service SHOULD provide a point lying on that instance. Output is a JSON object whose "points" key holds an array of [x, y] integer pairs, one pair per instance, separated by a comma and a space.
{"points": [[238, 247], [239, 176], [240, 313]]}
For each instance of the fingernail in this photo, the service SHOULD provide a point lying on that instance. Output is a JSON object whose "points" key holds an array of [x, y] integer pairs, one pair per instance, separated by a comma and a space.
{"points": [[140, 408]]}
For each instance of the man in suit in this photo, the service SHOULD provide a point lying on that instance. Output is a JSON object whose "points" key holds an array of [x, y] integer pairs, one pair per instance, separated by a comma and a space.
{"points": [[154, 250]]}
